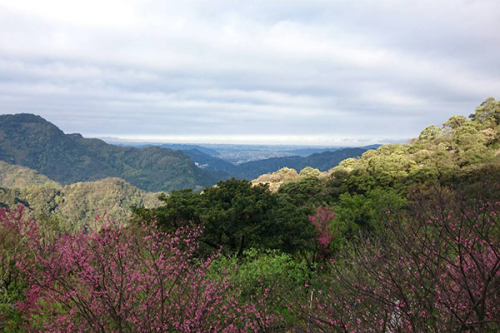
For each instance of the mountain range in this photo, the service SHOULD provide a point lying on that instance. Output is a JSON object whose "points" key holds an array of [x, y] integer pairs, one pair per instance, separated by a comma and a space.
{"points": [[31, 141]]}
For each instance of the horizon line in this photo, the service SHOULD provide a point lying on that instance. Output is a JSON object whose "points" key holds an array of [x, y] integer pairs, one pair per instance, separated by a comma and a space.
{"points": [[274, 140]]}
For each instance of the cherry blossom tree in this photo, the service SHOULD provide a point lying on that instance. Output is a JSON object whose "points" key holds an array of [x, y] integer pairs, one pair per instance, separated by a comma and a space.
{"points": [[435, 268], [124, 280], [321, 220]]}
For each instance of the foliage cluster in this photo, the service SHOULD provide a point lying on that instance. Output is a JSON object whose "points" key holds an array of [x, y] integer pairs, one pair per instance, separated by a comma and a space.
{"points": [[235, 216], [438, 153]]}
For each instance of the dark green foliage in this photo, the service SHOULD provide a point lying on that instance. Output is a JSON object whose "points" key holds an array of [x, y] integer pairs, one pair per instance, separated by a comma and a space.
{"points": [[336, 185], [235, 216], [179, 209], [362, 213], [33, 142], [239, 215], [303, 193]]}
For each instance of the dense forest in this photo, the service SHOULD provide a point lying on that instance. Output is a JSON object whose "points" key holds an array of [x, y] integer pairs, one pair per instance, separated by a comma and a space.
{"points": [[405, 238]]}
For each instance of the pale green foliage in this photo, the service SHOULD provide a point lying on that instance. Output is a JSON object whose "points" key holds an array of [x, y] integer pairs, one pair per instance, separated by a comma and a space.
{"points": [[278, 178], [349, 163], [309, 172], [488, 113], [467, 134], [393, 165], [454, 122], [430, 133], [459, 143], [16, 176], [260, 269], [77, 205]]}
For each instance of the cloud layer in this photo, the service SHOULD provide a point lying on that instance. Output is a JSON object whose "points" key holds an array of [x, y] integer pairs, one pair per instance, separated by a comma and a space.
{"points": [[313, 72]]}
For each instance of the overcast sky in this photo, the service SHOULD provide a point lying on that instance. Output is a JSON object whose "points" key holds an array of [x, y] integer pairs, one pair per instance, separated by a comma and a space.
{"points": [[270, 71]]}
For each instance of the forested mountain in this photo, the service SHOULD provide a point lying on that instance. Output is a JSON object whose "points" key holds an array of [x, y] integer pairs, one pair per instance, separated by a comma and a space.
{"points": [[31, 141], [323, 162]]}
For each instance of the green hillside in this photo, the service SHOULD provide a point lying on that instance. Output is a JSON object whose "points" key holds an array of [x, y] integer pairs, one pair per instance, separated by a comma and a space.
{"points": [[76, 205], [17, 176], [31, 141]]}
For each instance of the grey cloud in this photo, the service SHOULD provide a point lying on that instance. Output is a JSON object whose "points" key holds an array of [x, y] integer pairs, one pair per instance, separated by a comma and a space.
{"points": [[239, 70]]}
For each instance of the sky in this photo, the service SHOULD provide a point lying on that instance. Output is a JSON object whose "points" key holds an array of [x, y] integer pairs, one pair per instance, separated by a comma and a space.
{"points": [[312, 72]]}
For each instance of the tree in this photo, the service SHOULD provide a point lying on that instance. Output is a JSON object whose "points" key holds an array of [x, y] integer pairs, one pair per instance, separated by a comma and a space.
{"points": [[430, 133], [322, 221], [235, 215], [454, 122], [179, 209], [304, 193], [309, 172], [488, 113]]}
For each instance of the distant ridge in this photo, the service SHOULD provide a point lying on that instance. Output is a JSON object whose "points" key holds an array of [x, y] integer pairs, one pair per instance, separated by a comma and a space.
{"points": [[250, 170], [309, 151], [186, 147], [210, 162], [323, 161], [31, 141]]}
